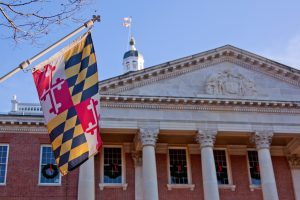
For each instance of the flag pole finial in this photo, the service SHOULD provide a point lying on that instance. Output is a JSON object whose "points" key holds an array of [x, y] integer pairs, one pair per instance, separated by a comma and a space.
{"points": [[96, 18]]}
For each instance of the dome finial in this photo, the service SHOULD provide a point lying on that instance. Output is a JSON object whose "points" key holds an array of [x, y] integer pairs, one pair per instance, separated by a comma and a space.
{"points": [[132, 43]]}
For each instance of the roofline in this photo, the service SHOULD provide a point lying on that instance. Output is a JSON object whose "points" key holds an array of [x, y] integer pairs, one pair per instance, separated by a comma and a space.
{"points": [[227, 46]]}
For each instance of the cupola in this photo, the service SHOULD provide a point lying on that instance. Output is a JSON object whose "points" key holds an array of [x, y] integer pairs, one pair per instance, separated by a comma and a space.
{"points": [[133, 60]]}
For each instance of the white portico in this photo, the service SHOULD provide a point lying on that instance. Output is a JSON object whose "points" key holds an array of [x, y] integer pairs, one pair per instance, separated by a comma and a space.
{"points": [[224, 100]]}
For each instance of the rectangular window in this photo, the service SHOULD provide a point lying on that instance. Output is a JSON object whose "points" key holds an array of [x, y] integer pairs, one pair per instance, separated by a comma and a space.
{"points": [[178, 166], [254, 168], [221, 166], [49, 172], [3, 163], [112, 164]]}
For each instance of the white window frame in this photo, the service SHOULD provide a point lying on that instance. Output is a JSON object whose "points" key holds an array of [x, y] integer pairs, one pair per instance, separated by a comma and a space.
{"points": [[5, 176], [103, 185], [135, 64], [252, 187], [40, 164], [229, 171], [189, 185]]}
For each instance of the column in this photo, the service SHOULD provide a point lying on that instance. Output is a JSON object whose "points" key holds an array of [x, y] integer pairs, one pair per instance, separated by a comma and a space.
{"points": [[263, 140], [86, 183], [206, 139], [137, 158], [148, 137], [294, 162]]}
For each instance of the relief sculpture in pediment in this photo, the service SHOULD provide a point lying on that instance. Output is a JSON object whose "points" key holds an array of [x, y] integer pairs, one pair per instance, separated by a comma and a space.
{"points": [[230, 83]]}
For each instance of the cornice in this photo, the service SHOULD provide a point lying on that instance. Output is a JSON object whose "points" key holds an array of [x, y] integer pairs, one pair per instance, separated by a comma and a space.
{"points": [[22, 129], [176, 103], [188, 64], [18, 120], [22, 124]]}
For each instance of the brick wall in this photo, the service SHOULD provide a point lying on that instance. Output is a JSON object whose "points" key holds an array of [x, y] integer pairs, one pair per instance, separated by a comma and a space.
{"points": [[239, 175], [283, 177], [23, 171], [240, 178]]}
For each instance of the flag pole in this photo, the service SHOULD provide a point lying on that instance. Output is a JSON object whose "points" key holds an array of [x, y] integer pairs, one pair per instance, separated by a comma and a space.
{"points": [[25, 64]]}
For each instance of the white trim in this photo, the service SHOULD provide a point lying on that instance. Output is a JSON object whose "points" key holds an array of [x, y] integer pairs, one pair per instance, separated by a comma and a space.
{"points": [[123, 185], [40, 163], [113, 185], [181, 186], [229, 171], [227, 186], [254, 187], [189, 171], [6, 166], [251, 186]]}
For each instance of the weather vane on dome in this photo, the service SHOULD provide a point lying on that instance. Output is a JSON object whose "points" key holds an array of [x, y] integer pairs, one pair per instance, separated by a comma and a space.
{"points": [[127, 22], [133, 60]]}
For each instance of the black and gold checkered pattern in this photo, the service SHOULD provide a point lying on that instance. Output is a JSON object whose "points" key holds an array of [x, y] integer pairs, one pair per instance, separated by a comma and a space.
{"points": [[68, 141], [81, 70]]}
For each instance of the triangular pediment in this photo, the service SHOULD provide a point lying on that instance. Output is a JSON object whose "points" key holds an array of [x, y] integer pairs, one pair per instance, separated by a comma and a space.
{"points": [[226, 72]]}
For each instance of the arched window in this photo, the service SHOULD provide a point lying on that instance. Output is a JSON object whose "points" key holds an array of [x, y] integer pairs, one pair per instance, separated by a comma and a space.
{"points": [[127, 65], [134, 64]]}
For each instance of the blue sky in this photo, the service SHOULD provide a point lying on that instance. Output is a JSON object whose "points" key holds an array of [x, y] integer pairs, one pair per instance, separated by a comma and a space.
{"points": [[167, 30]]}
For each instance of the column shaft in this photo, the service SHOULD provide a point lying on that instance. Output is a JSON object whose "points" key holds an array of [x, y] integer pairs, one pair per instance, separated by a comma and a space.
{"points": [[150, 188], [148, 137], [263, 140], [294, 162], [206, 139], [138, 183], [267, 175], [138, 172], [210, 184], [86, 183], [296, 182]]}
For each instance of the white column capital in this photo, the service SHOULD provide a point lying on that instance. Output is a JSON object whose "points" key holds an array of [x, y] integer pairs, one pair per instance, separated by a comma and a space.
{"points": [[294, 161], [148, 136], [206, 137], [262, 139], [137, 158]]}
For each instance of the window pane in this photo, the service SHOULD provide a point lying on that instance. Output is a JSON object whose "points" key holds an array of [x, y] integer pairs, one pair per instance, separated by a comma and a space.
{"points": [[48, 167], [3, 162], [254, 168], [221, 166], [112, 165], [178, 166]]}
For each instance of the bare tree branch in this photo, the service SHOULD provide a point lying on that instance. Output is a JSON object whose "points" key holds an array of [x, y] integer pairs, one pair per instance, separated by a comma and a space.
{"points": [[30, 19]]}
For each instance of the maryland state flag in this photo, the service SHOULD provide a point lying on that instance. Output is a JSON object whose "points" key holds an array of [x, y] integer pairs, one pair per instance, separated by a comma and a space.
{"points": [[67, 86]]}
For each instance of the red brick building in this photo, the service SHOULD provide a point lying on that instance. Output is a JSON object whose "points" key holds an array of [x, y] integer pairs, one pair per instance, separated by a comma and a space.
{"points": [[222, 124]]}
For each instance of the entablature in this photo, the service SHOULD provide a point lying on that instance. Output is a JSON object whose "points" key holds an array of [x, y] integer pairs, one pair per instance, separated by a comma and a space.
{"points": [[197, 103]]}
